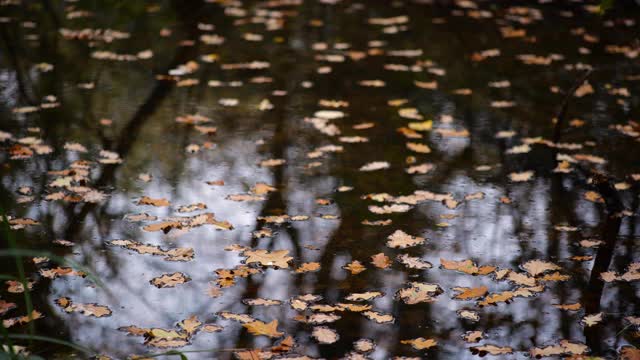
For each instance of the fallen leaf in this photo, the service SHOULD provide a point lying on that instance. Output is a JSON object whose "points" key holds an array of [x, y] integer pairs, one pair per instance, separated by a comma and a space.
{"points": [[258, 327], [420, 343]]}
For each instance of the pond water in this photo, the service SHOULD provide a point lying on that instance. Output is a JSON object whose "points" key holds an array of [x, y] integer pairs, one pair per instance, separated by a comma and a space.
{"points": [[175, 138]]}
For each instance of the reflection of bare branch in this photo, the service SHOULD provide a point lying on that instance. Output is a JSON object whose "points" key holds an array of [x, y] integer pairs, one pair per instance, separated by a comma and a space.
{"points": [[594, 291]]}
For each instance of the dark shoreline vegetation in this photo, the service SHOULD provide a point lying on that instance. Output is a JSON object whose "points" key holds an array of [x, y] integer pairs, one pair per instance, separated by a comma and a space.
{"points": [[307, 179]]}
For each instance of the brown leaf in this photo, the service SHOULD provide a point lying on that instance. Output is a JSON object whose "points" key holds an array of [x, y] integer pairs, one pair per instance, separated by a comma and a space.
{"points": [[419, 292], [190, 325], [569, 307], [355, 267], [491, 349], [402, 240], [145, 200], [473, 336], [470, 293], [592, 319], [420, 343], [325, 335], [380, 260], [308, 267], [537, 267], [276, 258], [170, 280], [258, 327], [466, 266]]}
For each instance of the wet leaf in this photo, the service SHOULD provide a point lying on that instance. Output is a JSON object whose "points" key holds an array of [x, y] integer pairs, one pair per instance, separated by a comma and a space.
{"points": [[276, 258], [258, 327], [400, 239], [592, 319], [366, 296], [355, 267], [470, 293], [85, 309], [7, 323], [413, 262], [381, 261], [473, 336], [170, 280], [491, 349], [419, 292], [468, 314], [466, 266], [378, 317], [537, 267], [420, 343], [145, 200], [325, 335]]}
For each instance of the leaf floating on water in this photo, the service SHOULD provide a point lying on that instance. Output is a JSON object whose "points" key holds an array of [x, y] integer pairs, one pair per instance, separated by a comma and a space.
{"points": [[467, 267], [419, 148], [60, 271], [325, 335], [569, 307], [210, 328], [227, 277], [355, 267], [258, 327], [420, 343], [85, 309], [400, 239], [376, 165], [367, 296], [521, 279], [468, 314], [245, 197], [521, 176], [17, 287], [565, 347], [277, 258], [241, 318], [262, 188], [162, 338], [419, 292], [170, 280], [308, 267], [177, 254], [494, 299], [190, 325], [191, 208], [491, 349], [591, 320], [378, 317], [465, 293], [386, 222], [322, 318], [272, 162], [145, 200], [421, 126], [420, 169], [6, 306], [7, 323], [473, 336], [364, 345], [388, 209], [380, 261], [261, 302], [413, 262], [140, 217]]}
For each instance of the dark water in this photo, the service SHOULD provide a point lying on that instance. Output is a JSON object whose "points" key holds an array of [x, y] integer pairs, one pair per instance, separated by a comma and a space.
{"points": [[145, 134]]}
